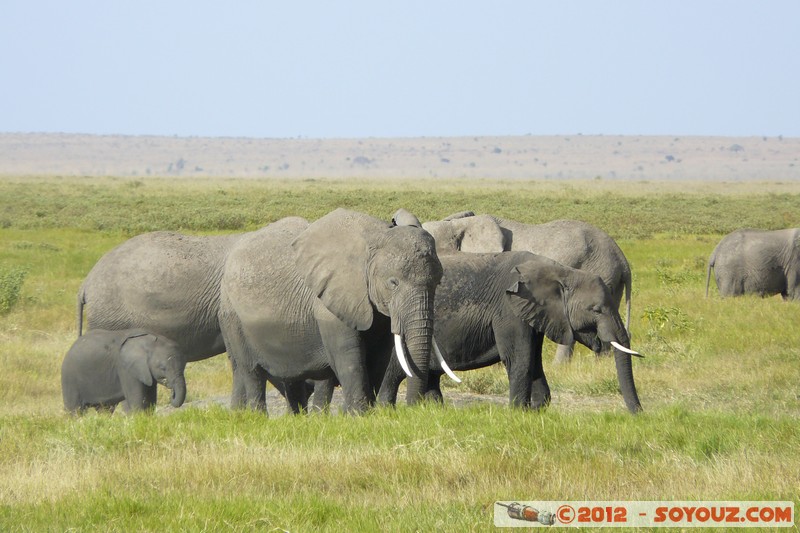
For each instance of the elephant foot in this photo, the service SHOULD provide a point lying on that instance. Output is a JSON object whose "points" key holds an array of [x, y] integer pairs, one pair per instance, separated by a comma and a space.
{"points": [[356, 408], [540, 405], [540, 395], [257, 405], [434, 396]]}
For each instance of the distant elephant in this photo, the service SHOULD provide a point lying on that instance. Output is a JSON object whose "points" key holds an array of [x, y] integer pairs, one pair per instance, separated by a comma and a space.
{"points": [[750, 261], [104, 368], [570, 242], [164, 282], [499, 307], [317, 301]]}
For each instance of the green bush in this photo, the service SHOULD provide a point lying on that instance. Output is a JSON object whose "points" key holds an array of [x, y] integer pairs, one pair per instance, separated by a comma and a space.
{"points": [[11, 280]]}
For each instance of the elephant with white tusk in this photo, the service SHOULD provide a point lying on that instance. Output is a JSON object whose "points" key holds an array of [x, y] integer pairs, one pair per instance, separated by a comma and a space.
{"points": [[326, 300], [570, 242], [499, 307]]}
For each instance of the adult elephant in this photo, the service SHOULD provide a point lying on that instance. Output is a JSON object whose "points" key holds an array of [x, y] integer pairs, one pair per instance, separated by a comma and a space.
{"points": [[750, 261], [324, 300], [499, 307], [570, 242], [163, 282]]}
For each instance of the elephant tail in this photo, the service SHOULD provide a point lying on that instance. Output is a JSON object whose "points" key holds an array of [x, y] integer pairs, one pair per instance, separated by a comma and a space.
{"points": [[81, 303], [711, 261]]}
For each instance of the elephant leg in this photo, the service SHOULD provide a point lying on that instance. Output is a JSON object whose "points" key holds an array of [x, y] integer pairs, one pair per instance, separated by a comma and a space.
{"points": [[249, 379], [139, 397], [255, 388], [519, 383], [540, 390], [239, 393], [516, 346], [100, 408], [392, 378], [297, 394], [434, 392], [150, 397], [793, 285], [347, 355], [323, 394], [564, 353]]}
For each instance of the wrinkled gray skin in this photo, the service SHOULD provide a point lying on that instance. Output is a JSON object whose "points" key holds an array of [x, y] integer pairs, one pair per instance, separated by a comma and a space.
{"points": [[164, 282], [570, 242], [499, 307], [750, 261], [321, 301], [104, 368]]}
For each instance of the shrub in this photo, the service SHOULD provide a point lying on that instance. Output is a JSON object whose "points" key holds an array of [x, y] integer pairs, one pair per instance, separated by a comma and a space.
{"points": [[11, 280]]}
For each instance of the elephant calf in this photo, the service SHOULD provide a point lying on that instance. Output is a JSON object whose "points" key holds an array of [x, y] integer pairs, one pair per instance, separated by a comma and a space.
{"points": [[104, 368]]}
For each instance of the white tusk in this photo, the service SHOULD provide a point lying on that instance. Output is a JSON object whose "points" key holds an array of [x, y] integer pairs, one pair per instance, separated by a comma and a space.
{"points": [[621, 348], [401, 356], [442, 362]]}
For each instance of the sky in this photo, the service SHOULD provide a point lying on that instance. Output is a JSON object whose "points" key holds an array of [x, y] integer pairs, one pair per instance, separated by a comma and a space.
{"points": [[389, 68]]}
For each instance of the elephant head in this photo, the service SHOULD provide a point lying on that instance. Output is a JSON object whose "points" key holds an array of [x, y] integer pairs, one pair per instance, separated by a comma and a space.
{"points": [[568, 304], [149, 358], [358, 265], [467, 233]]}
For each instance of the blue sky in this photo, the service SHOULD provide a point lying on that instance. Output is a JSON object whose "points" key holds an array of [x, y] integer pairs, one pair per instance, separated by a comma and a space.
{"points": [[400, 69]]}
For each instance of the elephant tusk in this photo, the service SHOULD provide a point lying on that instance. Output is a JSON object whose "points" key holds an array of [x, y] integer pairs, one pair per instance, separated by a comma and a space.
{"points": [[623, 349], [401, 355], [442, 362]]}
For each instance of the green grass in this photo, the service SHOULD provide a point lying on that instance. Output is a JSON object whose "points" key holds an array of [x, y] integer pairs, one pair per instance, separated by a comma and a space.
{"points": [[719, 383], [630, 210]]}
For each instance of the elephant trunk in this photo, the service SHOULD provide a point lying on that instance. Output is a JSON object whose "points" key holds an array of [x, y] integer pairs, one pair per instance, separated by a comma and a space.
{"points": [[626, 384], [178, 386], [419, 347], [416, 330], [617, 336]]}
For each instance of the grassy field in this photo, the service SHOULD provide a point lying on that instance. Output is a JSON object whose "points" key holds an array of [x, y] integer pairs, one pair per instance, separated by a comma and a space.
{"points": [[719, 383]]}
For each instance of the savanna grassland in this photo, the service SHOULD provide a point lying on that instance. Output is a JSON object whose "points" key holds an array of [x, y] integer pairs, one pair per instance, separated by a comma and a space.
{"points": [[719, 383]]}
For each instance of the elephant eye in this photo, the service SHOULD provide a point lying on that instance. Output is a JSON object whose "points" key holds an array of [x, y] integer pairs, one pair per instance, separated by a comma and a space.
{"points": [[597, 309], [392, 283]]}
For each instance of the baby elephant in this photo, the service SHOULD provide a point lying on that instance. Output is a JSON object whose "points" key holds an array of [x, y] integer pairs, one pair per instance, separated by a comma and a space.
{"points": [[104, 368]]}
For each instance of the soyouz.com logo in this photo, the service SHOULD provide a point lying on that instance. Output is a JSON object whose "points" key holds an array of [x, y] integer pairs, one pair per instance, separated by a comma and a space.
{"points": [[722, 514]]}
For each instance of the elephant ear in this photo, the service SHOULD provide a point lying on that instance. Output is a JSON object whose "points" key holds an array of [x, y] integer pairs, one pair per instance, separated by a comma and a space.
{"points": [[480, 234], [539, 297], [331, 256], [403, 217], [133, 355]]}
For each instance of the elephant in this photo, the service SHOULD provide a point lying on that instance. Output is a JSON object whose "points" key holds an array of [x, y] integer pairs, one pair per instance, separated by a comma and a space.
{"points": [[164, 282], [325, 300], [104, 368], [750, 261], [570, 242], [499, 307]]}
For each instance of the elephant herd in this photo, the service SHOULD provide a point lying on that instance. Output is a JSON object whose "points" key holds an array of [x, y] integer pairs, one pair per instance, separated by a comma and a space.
{"points": [[359, 302]]}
